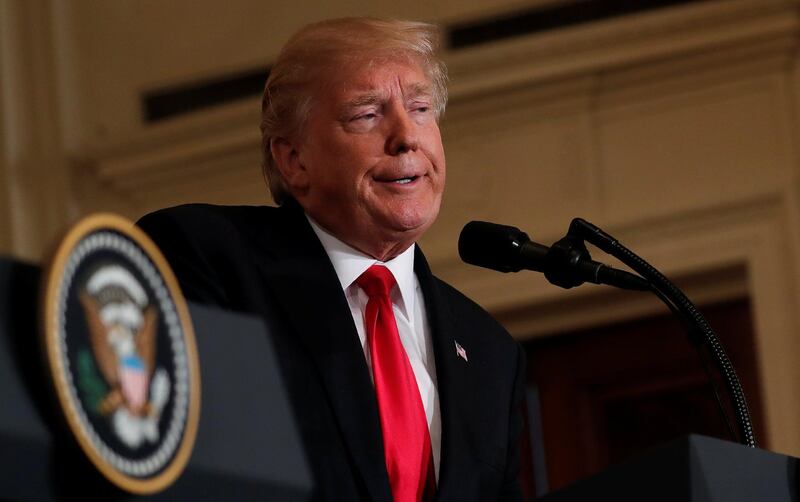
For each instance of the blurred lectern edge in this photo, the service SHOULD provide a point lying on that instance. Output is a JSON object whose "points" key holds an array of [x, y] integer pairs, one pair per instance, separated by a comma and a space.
{"points": [[247, 444]]}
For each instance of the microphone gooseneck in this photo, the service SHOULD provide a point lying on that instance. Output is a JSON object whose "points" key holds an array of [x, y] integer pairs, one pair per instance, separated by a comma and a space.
{"points": [[567, 264]]}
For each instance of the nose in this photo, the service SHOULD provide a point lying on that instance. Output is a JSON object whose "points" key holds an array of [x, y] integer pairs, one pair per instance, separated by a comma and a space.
{"points": [[402, 133]]}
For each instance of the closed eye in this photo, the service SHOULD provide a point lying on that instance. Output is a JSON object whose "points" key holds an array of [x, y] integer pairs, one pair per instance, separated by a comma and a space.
{"points": [[364, 116], [420, 106]]}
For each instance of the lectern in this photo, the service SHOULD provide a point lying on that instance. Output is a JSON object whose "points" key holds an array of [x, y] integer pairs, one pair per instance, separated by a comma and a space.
{"points": [[247, 445], [692, 469]]}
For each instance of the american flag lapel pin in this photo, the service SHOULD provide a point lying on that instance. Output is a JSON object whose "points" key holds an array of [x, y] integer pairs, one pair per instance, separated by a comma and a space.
{"points": [[460, 352]]}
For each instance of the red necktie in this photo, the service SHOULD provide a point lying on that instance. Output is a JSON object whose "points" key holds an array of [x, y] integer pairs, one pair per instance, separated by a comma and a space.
{"points": [[406, 441]]}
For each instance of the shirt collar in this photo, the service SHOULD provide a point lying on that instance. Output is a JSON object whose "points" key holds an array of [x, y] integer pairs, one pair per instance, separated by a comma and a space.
{"points": [[350, 263]]}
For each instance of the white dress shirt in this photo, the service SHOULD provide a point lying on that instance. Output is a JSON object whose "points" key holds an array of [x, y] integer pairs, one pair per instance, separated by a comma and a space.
{"points": [[408, 305]]}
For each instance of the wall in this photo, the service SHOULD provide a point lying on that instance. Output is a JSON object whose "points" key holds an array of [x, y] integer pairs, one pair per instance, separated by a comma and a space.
{"points": [[674, 130]]}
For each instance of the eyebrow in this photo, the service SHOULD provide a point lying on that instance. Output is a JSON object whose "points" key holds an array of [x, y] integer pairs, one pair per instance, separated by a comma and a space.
{"points": [[372, 98], [419, 89]]}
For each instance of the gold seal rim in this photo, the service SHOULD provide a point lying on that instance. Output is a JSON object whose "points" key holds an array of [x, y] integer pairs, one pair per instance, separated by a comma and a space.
{"points": [[52, 283]]}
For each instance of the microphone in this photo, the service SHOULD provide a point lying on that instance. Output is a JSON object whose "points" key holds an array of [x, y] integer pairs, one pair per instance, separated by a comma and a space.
{"points": [[566, 264]]}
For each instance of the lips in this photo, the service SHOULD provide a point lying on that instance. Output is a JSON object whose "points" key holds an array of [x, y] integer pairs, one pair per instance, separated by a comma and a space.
{"points": [[399, 180]]}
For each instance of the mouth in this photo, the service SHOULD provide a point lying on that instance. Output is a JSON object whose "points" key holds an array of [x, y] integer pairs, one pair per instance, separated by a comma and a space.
{"points": [[400, 181], [404, 181]]}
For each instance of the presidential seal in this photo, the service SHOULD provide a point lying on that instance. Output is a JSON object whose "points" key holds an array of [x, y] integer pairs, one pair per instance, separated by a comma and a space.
{"points": [[120, 348]]}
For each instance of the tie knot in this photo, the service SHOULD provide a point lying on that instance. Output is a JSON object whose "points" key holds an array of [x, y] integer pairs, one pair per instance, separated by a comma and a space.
{"points": [[377, 281]]}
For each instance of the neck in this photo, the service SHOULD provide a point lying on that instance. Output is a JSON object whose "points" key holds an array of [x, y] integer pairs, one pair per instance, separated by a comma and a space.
{"points": [[382, 251]]}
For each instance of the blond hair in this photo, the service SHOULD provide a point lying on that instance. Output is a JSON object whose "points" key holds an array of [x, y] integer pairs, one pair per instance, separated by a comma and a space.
{"points": [[288, 98]]}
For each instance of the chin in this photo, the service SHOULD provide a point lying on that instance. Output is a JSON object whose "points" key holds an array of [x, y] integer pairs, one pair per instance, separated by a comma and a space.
{"points": [[414, 221]]}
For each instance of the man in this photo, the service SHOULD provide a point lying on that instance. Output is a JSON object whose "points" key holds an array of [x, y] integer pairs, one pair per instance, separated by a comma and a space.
{"points": [[403, 389]]}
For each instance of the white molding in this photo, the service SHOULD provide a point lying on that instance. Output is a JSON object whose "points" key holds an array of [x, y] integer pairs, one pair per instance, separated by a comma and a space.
{"points": [[34, 167], [618, 43], [549, 67]]}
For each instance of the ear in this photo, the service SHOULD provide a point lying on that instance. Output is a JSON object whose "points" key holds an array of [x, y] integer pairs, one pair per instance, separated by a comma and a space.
{"points": [[287, 159]]}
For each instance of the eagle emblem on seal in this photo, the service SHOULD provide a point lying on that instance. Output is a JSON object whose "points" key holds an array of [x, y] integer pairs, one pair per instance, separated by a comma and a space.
{"points": [[122, 327]]}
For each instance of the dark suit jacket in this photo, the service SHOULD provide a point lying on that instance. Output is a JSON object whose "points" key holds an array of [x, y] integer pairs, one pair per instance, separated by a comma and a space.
{"points": [[268, 261]]}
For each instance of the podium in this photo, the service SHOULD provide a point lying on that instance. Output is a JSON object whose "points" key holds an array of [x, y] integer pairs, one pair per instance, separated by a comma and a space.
{"points": [[247, 445], [692, 469]]}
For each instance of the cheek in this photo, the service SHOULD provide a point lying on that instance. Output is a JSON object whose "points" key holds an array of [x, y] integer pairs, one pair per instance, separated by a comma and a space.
{"points": [[356, 153], [331, 166], [439, 167], [436, 149], [441, 162]]}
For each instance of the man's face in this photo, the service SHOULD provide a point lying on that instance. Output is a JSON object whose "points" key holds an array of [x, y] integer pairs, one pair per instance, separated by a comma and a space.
{"points": [[371, 156]]}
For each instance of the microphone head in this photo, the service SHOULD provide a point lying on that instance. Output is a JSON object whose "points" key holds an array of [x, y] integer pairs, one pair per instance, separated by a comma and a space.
{"points": [[493, 246]]}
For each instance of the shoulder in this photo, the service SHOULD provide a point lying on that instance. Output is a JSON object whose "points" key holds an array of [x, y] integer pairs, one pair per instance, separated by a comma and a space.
{"points": [[212, 227], [210, 248], [206, 217]]}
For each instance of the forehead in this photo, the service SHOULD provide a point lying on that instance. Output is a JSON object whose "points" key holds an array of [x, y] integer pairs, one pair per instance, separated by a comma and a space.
{"points": [[383, 76]]}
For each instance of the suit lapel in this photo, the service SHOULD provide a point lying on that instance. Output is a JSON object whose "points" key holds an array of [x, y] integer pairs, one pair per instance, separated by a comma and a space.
{"points": [[305, 284], [457, 480]]}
